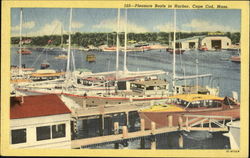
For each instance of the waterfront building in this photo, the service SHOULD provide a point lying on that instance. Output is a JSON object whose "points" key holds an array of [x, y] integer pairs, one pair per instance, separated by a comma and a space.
{"points": [[39, 121], [213, 41]]}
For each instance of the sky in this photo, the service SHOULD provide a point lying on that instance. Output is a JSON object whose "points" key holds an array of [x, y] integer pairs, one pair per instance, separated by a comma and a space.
{"points": [[49, 21]]}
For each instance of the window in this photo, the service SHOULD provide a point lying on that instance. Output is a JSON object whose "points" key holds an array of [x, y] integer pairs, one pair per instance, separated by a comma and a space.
{"points": [[43, 133], [58, 131], [18, 136], [150, 88]]}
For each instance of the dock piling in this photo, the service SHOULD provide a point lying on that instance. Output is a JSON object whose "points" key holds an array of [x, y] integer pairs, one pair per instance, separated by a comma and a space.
{"points": [[116, 131], [142, 125], [170, 121], [124, 131], [153, 143], [101, 125], [180, 120], [153, 127], [127, 118], [180, 141]]}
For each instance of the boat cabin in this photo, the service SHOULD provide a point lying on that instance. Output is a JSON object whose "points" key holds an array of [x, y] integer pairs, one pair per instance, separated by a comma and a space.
{"points": [[149, 87], [201, 101], [46, 74]]}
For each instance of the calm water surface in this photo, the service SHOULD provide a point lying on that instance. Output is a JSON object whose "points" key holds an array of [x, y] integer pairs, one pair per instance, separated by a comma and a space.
{"points": [[226, 75]]}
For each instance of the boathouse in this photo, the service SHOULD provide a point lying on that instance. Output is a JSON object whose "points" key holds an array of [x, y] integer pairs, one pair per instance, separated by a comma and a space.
{"points": [[213, 41], [39, 121]]}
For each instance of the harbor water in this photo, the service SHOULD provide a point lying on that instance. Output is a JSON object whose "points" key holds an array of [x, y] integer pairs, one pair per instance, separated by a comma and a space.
{"points": [[226, 75]]}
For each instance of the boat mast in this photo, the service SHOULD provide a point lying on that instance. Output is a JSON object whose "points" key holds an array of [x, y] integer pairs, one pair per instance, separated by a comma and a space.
{"points": [[197, 78], [125, 44], [174, 40], [61, 36], [20, 42], [69, 43], [107, 39], [117, 43]]}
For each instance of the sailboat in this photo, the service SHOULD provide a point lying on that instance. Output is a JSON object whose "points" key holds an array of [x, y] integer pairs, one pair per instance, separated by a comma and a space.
{"points": [[105, 84], [45, 64], [62, 55], [194, 104], [20, 74]]}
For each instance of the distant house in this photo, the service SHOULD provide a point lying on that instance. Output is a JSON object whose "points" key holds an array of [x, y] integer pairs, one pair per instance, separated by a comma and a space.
{"points": [[41, 121], [210, 42]]}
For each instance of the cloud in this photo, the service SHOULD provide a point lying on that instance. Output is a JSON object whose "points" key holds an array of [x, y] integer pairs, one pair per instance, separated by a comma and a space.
{"points": [[111, 24], [202, 25], [48, 29], [77, 25], [167, 27], [27, 25]]}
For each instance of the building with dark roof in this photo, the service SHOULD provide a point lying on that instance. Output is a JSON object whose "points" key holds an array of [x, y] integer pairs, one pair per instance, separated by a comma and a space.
{"points": [[39, 121]]}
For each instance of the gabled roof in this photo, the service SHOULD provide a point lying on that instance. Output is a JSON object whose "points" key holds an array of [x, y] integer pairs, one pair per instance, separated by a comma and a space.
{"points": [[37, 105], [190, 38]]}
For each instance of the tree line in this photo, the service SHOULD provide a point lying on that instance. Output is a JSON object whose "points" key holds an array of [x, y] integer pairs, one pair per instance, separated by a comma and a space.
{"points": [[98, 39]]}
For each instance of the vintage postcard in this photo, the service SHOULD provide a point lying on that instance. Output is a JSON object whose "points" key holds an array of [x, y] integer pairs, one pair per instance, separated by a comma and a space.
{"points": [[125, 78]]}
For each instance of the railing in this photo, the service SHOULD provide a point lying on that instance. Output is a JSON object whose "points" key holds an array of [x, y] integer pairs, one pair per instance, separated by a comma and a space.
{"points": [[215, 123]]}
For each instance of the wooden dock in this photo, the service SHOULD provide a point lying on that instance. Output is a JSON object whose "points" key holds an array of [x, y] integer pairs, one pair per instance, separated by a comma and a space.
{"points": [[189, 125]]}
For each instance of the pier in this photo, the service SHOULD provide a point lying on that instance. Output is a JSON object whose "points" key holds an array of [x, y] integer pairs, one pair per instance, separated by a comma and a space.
{"points": [[192, 123]]}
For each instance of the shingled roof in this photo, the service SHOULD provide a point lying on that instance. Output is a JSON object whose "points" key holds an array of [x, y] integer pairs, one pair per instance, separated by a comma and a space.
{"points": [[37, 105]]}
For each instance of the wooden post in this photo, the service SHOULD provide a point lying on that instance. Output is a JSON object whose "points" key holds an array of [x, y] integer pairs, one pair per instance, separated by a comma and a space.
{"points": [[124, 131], [116, 131], [127, 118], [187, 124], [153, 140], [73, 130], [170, 121], [180, 141], [210, 127], [142, 125], [180, 122], [116, 128], [153, 143], [153, 127], [101, 125]]}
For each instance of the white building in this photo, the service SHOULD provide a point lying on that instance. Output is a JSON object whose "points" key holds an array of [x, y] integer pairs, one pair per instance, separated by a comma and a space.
{"points": [[216, 42], [210, 42], [41, 121]]}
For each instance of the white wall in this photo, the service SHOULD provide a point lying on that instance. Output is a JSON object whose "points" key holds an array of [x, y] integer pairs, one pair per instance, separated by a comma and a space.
{"points": [[31, 123], [185, 44], [224, 41]]}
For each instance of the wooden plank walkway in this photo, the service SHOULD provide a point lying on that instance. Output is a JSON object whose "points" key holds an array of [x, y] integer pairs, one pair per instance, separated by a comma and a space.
{"points": [[189, 125], [113, 138]]}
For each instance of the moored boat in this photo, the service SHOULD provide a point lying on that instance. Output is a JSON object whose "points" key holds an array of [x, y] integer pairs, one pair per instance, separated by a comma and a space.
{"points": [[24, 51], [90, 58], [177, 51], [44, 65], [194, 104], [62, 56], [235, 59]]}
